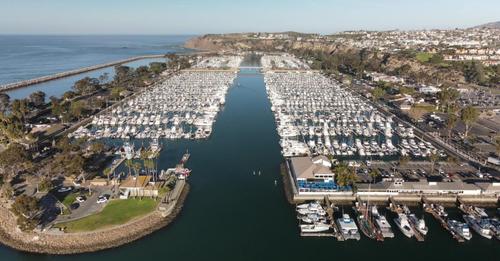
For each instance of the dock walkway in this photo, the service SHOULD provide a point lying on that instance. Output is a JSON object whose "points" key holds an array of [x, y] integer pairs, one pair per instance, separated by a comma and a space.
{"points": [[442, 221]]}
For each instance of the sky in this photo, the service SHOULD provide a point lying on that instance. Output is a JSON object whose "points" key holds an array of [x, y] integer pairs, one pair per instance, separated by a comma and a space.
{"points": [[224, 16]]}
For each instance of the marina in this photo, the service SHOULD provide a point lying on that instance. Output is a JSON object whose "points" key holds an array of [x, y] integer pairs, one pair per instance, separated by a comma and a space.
{"points": [[184, 106], [225, 160], [315, 116], [250, 130]]}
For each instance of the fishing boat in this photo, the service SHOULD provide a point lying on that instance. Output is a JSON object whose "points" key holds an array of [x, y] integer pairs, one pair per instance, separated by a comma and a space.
{"points": [[382, 223], [462, 229], [419, 224], [479, 225]]}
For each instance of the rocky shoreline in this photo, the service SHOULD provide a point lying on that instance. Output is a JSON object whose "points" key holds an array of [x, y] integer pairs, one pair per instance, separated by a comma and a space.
{"points": [[76, 243]]}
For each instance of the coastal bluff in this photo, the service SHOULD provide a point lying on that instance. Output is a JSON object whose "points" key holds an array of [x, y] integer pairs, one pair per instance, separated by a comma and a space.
{"points": [[76, 243]]}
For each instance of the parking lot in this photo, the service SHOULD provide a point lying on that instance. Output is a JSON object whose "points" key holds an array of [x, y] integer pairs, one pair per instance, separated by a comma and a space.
{"points": [[81, 208]]}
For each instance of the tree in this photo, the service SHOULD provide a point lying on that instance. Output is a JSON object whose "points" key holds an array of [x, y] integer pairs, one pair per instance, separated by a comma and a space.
{"points": [[74, 165], [345, 175], [64, 145], [451, 122], [20, 109], [86, 85], [77, 108], [37, 98], [157, 68], [374, 174], [474, 72], [403, 160], [129, 163], [137, 167], [447, 97], [45, 185], [12, 129], [116, 92], [122, 74], [377, 93], [142, 71], [497, 145], [7, 190], [469, 115], [56, 107], [4, 102], [68, 95], [97, 148], [433, 157], [15, 158], [104, 78], [26, 208], [107, 172]]}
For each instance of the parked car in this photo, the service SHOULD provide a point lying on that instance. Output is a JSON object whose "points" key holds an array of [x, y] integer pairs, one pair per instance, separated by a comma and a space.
{"points": [[81, 199], [64, 189], [102, 199], [74, 206]]}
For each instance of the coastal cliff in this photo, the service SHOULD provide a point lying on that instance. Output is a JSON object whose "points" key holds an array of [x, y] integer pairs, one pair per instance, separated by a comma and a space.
{"points": [[235, 43], [385, 62], [75, 243]]}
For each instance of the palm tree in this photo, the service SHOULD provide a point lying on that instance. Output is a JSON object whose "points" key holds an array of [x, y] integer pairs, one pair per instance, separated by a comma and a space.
{"points": [[497, 145], [129, 164], [434, 157], [137, 167], [107, 172], [469, 115], [374, 174], [450, 123], [345, 175], [403, 160]]}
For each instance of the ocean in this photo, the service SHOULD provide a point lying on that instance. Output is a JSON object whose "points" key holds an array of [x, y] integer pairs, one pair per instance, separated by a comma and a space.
{"points": [[25, 57]]}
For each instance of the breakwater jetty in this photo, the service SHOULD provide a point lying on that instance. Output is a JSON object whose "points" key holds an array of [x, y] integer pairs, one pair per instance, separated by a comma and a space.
{"points": [[74, 243], [21, 84]]}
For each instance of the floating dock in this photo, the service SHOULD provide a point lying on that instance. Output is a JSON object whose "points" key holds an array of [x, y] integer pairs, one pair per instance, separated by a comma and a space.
{"points": [[429, 209], [331, 210]]}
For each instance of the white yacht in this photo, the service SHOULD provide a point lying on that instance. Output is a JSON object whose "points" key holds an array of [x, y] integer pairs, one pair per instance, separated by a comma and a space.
{"points": [[382, 223], [403, 225], [314, 228], [348, 227]]}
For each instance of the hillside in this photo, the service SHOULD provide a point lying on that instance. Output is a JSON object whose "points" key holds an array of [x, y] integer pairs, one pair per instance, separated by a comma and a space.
{"points": [[493, 25]]}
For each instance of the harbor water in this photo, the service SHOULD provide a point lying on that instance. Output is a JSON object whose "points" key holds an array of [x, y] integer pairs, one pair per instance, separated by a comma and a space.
{"points": [[232, 214]]}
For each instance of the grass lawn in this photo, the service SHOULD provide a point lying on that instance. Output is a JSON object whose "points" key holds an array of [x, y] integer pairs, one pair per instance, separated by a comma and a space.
{"points": [[69, 199], [117, 212], [418, 110], [424, 57]]}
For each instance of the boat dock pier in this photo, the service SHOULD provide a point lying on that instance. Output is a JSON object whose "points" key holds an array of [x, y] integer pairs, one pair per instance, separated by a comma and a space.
{"points": [[394, 206], [116, 163], [21, 84], [431, 210], [365, 221], [419, 236], [330, 210], [398, 208]]}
